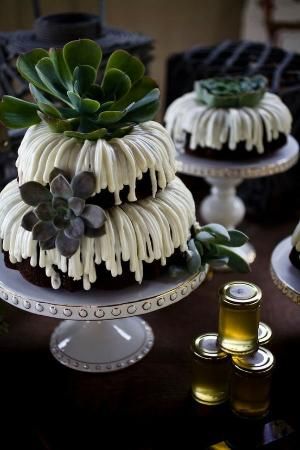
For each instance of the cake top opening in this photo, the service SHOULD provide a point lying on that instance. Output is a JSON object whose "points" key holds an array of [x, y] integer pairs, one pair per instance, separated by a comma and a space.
{"points": [[69, 97], [231, 92]]}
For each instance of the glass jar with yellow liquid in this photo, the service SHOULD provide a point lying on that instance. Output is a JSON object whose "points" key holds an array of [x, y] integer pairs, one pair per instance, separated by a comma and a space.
{"points": [[251, 383], [211, 369], [239, 315]]}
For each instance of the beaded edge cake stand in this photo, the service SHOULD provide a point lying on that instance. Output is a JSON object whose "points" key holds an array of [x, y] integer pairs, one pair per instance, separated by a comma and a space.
{"points": [[101, 333], [285, 276], [222, 205]]}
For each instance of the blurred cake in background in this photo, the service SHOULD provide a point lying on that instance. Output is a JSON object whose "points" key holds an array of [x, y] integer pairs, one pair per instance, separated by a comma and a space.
{"points": [[229, 118], [270, 199]]}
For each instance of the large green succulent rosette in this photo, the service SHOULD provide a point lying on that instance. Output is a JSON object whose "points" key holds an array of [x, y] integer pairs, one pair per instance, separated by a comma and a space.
{"points": [[68, 95]]}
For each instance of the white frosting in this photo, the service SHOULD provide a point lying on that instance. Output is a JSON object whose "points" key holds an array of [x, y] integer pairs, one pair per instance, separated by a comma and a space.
{"points": [[212, 127], [148, 230], [115, 163]]}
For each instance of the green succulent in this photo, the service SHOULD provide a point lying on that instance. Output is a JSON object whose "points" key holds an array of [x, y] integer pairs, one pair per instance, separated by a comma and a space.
{"points": [[231, 92], [214, 245], [63, 83], [61, 215]]}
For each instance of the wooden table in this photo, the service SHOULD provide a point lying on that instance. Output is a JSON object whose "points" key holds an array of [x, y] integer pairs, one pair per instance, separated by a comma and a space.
{"points": [[47, 406]]}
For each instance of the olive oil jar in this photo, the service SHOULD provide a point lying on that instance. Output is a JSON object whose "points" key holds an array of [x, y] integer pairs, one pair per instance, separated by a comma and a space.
{"points": [[239, 314], [211, 369], [251, 383]]}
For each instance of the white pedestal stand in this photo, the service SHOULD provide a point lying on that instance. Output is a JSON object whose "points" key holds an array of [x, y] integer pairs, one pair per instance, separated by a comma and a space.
{"points": [[284, 274], [222, 205], [101, 333]]}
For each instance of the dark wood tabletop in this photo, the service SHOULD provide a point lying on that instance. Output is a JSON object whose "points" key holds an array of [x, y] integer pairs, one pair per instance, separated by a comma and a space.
{"points": [[47, 406]]}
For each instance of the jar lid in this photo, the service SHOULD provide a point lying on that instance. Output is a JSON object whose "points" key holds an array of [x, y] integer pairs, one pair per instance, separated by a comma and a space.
{"points": [[240, 293], [264, 333], [260, 361], [206, 346]]}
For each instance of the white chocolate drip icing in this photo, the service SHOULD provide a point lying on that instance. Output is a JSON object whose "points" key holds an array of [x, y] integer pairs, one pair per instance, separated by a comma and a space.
{"points": [[213, 127], [116, 163], [148, 230]]}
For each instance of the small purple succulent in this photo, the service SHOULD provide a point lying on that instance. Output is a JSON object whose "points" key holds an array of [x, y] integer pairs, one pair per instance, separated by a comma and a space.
{"points": [[61, 215]]}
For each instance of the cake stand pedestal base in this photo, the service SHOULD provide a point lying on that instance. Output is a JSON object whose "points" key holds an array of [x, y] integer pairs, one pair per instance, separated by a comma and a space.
{"points": [[101, 346], [101, 331], [223, 206]]}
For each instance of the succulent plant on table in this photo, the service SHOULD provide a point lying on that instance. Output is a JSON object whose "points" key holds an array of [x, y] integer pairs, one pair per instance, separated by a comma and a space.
{"points": [[231, 92], [60, 214], [214, 245], [64, 85]]}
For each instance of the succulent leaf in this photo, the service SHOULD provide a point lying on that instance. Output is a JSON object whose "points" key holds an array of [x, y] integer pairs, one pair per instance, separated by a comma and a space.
{"points": [[127, 63], [217, 230], [26, 65], [109, 117], [115, 84], [56, 171], [61, 68], [76, 228], [34, 193], [17, 113], [83, 185], [89, 106], [82, 52], [43, 231], [193, 258], [60, 187], [61, 222], [45, 211], [48, 75], [48, 245], [49, 110], [59, 203], [65, 245], [138, 91], [29, 220], [77, 205], [101, 133], [235, 261], [84, 77], [94, 216], [237, 238]]}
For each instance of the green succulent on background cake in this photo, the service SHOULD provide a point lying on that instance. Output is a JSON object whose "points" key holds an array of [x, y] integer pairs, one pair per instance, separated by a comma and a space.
{"points": [[231, 92], [63, 83], [61, 215], [212, 244]]}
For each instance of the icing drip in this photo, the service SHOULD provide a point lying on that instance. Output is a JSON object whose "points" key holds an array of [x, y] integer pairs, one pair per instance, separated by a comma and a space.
{"points": [[148, 230], [116, 163], [212, 127]]}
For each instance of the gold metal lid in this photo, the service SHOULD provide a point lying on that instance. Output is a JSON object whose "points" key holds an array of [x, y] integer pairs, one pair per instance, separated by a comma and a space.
{"points": [[264, 333], [260, 361], [206, 346], [240, 293]]}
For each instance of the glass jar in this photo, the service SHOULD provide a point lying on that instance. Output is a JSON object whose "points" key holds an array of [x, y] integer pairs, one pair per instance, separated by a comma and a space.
{"points": [[211, 369], [251, 383], [264, 333], [239, 315]]}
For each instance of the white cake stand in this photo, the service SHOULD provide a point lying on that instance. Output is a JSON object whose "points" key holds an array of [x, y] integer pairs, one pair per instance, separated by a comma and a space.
{"points": [[284, 274], [101, 333], [222, 205]]}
